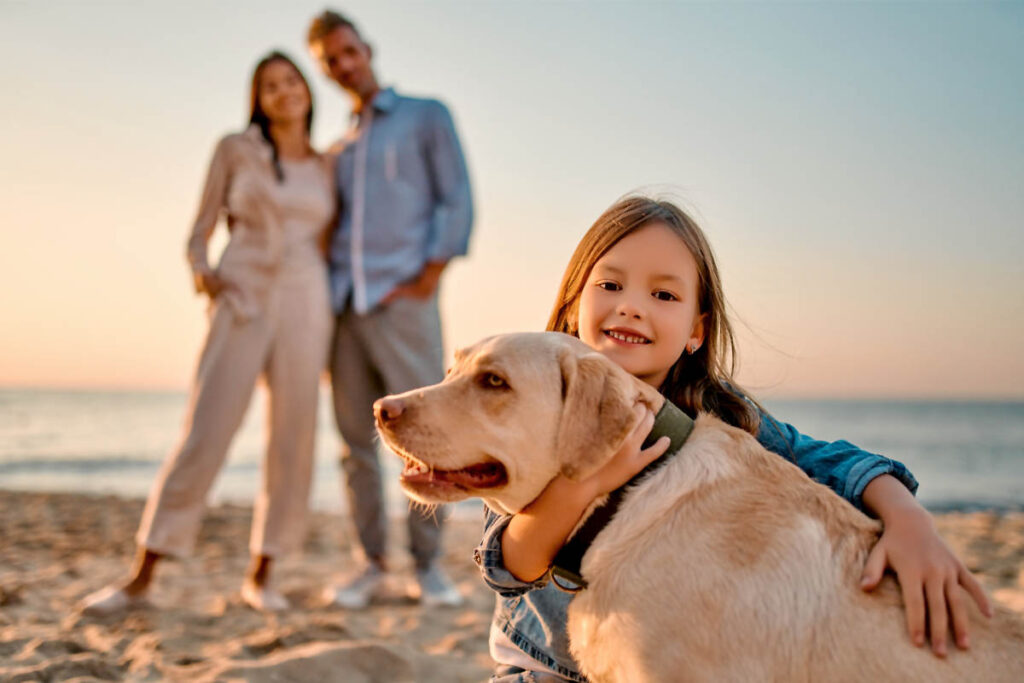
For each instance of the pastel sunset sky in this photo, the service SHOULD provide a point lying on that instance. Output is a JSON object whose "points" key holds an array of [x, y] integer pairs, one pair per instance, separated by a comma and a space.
{"points": [[858, 168]]}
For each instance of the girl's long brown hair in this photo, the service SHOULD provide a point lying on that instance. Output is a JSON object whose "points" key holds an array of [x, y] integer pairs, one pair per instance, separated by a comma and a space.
{"points": [[699, 382]]}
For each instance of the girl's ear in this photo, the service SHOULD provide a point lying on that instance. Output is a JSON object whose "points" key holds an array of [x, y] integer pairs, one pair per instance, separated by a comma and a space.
{"points": [[597, 412], [697, 333]]}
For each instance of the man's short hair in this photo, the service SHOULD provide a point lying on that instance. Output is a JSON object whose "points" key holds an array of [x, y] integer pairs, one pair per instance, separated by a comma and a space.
{"points": [[327, 21]]}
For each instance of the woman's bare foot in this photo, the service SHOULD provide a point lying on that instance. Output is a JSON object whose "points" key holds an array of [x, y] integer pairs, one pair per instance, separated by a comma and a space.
{"points": [[129, 595], [263, 598], [255, 589]]}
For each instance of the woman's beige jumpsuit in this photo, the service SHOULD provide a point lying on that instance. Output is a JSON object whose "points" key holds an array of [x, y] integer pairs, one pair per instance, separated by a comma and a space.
{"points": [[274, 320]]}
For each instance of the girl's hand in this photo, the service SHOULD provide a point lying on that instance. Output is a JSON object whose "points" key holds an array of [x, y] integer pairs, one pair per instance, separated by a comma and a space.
{"points": [[630, 459], [536, 534], [929, 575]]}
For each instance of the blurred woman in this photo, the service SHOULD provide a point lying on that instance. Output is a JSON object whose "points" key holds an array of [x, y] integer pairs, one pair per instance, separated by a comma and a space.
{"points": [[270, 318]]}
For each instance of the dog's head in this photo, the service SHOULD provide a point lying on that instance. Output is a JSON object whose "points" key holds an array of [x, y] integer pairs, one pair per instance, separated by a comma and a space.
{"points": [[514, 412]]}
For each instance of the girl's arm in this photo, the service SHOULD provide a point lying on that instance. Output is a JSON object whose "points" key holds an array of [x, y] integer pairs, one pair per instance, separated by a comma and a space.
{"points": [[533, 537], [840, 465], [928, 571], [489, 559]]}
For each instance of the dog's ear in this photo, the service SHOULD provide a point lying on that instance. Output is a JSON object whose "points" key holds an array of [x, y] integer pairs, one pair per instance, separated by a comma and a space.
{"points": [[597, 412]]}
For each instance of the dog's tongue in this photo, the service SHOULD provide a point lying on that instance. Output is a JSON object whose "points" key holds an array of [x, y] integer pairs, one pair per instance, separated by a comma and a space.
{"points": [[481, 476]]}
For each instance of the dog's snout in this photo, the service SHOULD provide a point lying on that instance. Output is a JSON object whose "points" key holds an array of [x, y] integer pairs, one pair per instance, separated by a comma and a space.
{"points": [[387, 409]]}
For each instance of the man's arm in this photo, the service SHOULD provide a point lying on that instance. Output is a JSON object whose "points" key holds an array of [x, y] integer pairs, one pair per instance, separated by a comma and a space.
{"points": [[452, 217], [453, 204]]}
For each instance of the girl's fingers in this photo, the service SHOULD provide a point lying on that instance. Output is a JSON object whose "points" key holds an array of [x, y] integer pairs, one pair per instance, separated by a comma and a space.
{"points": [[972, 586], [958, 613], [935, 590], [913, 602], [874, 568], [643, 426], [655, 450]]}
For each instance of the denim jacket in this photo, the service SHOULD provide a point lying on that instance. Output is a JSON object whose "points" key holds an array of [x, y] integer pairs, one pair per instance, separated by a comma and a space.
{"points": [[534, 615]]}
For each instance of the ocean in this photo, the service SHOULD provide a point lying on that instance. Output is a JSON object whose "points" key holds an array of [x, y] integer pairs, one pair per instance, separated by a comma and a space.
{"points": [[965, 454]]}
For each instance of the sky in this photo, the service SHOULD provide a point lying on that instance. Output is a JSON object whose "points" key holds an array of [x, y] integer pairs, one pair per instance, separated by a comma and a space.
{"points": [[857, 167]]}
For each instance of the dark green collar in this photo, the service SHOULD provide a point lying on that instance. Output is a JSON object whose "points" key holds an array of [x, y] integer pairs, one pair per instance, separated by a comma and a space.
{"points": [[671, 422]]}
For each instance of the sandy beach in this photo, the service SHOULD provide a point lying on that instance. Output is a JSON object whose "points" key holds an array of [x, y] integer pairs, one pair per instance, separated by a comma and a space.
{"points": [[56, 548]]}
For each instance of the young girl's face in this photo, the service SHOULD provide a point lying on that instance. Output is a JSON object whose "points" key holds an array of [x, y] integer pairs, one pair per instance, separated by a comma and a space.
{"points": [[639, 304]]}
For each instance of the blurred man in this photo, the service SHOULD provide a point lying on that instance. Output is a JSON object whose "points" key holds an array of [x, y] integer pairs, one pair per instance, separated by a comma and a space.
{"points": [[404, 211]]}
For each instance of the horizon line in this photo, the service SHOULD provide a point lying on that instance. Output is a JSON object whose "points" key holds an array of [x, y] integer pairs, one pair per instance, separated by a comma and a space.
{"points": [[791, 396]]}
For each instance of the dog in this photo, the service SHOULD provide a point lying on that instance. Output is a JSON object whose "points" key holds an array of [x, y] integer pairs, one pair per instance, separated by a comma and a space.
{"points": [[726, 564]]}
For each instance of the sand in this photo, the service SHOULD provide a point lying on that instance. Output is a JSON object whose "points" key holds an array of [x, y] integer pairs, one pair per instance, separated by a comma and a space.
{"points": [[57, 548]]}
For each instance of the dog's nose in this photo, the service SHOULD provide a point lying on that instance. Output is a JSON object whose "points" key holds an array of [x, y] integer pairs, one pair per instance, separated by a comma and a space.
{"points": [[387, 409]]}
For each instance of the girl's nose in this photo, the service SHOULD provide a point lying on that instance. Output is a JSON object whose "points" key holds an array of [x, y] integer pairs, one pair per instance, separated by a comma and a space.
{"points": [[629, 308]]}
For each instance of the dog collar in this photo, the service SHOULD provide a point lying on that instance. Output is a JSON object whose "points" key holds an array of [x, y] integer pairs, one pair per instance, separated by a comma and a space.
{"points": [[671, 422]]}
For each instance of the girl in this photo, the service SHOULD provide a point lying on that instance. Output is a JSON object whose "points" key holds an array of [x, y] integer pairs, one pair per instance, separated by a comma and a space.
{"points": [[270, 316], [643, 289]]}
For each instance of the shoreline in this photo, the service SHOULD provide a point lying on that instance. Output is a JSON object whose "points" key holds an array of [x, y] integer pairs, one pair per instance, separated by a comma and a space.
{"points": [[58, 547]]}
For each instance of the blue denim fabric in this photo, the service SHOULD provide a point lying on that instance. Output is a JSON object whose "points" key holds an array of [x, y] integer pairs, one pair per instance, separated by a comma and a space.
{"points": [[417, 200], [839, 465], [534, 615]]}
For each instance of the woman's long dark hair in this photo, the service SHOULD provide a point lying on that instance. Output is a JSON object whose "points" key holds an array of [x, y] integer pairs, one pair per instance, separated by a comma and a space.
{"points": [[260, 118]]}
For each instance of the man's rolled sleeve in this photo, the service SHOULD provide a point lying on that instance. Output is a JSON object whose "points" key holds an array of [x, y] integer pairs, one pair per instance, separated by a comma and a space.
{"points": [[488, 556]]}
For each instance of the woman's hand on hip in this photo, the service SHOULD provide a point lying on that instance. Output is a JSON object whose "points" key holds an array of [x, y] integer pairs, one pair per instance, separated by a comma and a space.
{"points": [[211, 284]]}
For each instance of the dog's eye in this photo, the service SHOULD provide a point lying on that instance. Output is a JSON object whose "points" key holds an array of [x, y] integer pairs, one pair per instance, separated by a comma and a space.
{"points": [[491, 381]]}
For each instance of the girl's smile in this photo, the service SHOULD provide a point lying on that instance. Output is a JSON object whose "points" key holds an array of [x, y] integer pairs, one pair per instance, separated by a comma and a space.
{"points": [[625, 335], [639, 305]]}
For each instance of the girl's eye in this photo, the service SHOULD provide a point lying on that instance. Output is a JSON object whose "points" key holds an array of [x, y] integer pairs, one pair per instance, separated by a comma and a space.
{"points": [[609, 286], [662, 295], [489, 380]]}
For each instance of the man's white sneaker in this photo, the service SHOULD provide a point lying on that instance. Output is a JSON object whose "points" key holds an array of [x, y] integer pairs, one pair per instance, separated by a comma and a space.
{"points": [[435, 589], [357, 592], [111, 600]]}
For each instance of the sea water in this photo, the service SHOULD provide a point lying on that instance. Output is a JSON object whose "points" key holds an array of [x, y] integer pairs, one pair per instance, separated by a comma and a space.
{"points": [[965, 454]]}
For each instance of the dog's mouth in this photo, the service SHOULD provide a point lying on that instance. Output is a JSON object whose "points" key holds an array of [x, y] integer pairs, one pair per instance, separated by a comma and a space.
{"points": [[483, 475]]}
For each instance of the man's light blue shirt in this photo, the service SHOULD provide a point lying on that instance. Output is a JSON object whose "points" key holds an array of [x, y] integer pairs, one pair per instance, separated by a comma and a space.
{"points": [[403, 199]]}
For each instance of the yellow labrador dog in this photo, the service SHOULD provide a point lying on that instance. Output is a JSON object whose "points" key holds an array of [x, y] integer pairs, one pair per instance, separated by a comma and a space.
{"points": [[726, 564]]}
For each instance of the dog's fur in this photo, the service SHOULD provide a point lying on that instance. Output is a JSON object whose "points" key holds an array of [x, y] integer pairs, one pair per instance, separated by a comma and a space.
{"points": [[726, 564]]}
